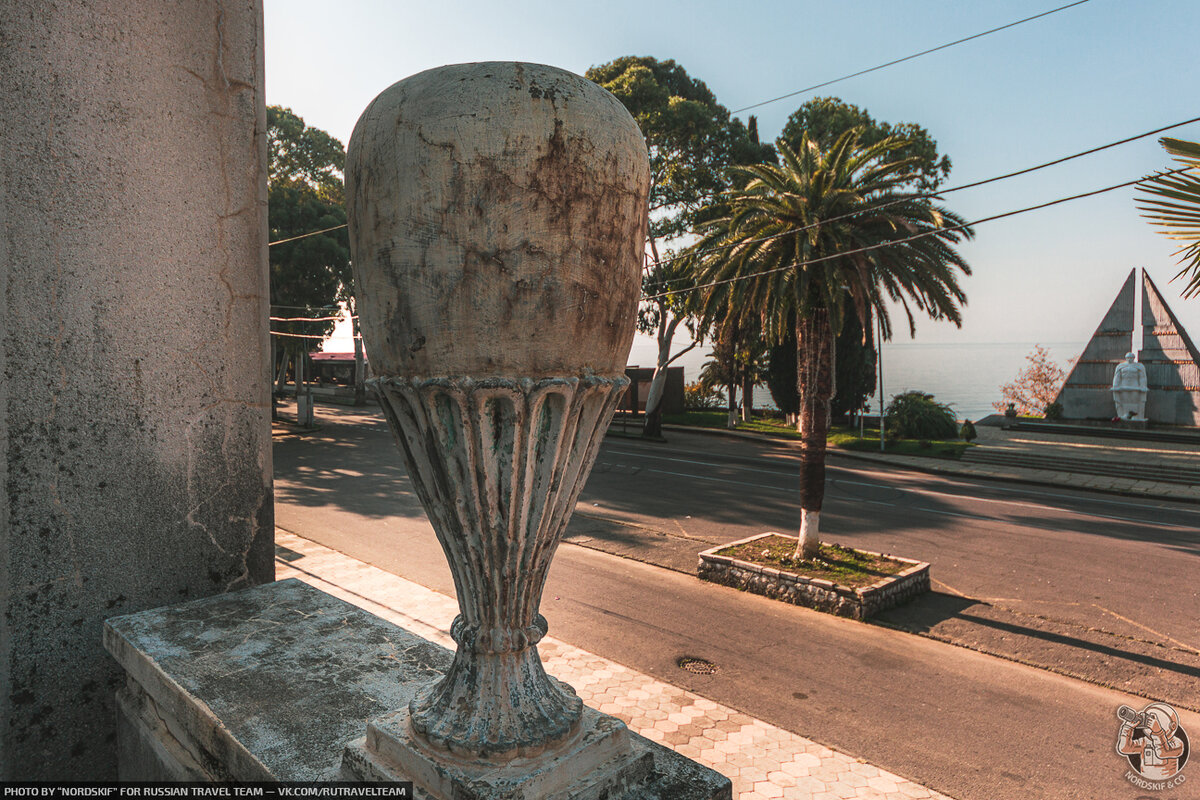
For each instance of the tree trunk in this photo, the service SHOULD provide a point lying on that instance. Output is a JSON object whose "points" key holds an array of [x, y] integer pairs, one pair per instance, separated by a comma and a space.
{"points": [[731, 421], [652, 425], [747, 398], [304, 409], [814, 381], [281, 378]]}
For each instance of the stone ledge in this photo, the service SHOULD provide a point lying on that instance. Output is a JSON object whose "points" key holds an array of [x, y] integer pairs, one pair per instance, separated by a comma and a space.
{"points": [[815, 593], [273, 683]]}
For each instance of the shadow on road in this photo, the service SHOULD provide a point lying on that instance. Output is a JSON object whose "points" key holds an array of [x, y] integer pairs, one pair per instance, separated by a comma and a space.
{"points": [[351, 462], [923, 614]]}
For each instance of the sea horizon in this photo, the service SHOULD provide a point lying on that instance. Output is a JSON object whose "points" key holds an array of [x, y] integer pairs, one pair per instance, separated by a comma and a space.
{"points": [[967, 376]]}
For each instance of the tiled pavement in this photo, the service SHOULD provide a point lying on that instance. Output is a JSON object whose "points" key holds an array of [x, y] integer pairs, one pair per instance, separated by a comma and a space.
{"points": [[762, 760]]}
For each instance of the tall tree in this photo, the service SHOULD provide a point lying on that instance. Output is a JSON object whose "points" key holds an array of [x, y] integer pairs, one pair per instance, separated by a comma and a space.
{"points": [[854, 375], [781, 372], [692, 140], [305, 194], [824, 119], [738, 362], [1174, 207], [721, 370], [298, 154], [829, 231]]}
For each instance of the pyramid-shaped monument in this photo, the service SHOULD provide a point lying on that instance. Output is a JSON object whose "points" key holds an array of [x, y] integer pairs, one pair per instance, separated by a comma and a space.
{"points": [[1087, 392], [1171, 360]]}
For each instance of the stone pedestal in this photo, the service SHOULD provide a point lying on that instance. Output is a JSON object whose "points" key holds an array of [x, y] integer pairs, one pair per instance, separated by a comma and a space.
{"points": [[597, 761], [273, 684]]}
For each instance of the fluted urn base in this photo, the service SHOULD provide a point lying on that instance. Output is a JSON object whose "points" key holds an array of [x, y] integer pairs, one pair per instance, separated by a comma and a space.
{"points": [[515, 709], [498, 464]]}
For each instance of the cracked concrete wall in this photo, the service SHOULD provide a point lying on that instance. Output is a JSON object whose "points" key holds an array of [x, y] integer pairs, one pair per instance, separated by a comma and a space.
{"points": [[134, 410]]}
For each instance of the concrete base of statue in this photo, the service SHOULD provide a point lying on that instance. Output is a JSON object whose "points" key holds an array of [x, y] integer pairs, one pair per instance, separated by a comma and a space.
{"points": [[1130, 404], [597, 760], [274, 683]]}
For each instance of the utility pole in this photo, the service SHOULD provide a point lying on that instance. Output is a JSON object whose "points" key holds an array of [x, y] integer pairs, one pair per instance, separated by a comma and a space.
{"points": [[879, 360], [360, 389]]}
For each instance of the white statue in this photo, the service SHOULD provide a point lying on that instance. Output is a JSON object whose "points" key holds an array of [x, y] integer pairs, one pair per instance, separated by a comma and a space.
{"points": [[1129, 389]]}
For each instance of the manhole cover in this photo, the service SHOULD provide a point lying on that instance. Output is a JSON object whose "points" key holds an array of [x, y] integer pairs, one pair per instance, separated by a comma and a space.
{"points": [[700, 666]]}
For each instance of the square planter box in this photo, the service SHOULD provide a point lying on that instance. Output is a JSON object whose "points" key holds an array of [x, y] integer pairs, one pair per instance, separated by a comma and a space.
{"points": [[816, 593]]}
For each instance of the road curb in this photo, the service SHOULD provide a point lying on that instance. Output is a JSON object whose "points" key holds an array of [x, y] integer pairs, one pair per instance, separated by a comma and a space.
{"points": [[1051, 479]]}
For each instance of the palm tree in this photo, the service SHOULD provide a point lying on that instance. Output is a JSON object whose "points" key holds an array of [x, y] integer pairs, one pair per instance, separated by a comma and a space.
{"points": [[738, 362], [1175, 207], [802, 241]]}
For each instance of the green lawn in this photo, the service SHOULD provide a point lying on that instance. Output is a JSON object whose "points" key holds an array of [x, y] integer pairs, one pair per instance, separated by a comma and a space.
{"points": [[840, 436]]}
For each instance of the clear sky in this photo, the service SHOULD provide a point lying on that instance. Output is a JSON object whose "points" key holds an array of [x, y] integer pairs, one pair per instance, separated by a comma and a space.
{"points": [[1085, 76]]}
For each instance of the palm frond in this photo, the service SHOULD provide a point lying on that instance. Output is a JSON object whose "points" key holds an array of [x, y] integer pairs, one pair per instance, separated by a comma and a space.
{"points": [[1173, 206]]}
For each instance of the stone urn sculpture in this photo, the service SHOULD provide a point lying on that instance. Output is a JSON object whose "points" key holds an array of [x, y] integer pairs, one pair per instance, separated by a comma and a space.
{"points": [[497, 218]]}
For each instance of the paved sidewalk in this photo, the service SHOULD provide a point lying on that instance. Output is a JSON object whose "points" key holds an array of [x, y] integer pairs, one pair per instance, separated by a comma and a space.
{"points": [[1130, 453], [762, 760], [1127, 453]]}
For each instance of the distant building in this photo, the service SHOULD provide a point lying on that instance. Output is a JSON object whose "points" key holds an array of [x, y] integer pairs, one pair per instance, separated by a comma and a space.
{"points": [[639, 389], [332, 368]]}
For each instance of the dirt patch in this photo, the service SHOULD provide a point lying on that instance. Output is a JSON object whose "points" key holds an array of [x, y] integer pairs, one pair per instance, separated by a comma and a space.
{"points": [[837, 564]]}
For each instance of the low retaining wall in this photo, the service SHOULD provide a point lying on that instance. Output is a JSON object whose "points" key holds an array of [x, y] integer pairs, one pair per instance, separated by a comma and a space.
{"points": [[815, 593]]}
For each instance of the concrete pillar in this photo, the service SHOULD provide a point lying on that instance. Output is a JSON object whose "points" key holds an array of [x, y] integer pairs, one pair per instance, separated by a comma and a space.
{"points": [[134, 411]]}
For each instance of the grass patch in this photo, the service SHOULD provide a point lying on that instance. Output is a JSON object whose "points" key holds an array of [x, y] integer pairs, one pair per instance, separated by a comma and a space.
{"points": [[841, 436], [768, 426], [847, 439], [842, 565]]}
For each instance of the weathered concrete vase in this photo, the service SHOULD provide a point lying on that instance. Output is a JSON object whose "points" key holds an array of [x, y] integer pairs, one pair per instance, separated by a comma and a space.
{"points": [[497, 218]]}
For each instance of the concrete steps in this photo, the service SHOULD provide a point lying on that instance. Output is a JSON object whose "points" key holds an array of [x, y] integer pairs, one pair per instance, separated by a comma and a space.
{"points": [[1143, 434], [1164, 473]]}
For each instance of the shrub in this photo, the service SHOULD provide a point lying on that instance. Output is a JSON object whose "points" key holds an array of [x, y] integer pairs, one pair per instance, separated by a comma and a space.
{"points": [[698, 397], [1035, 386], [917, 415], [1053, 410], [968, 433]]}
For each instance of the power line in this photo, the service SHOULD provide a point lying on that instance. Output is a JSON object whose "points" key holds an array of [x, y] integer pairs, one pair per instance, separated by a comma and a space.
{"points": [[912, 238], [972, 185], [316, 233], [1057, 161], [308, 319], [908, 58], [308, 336], [931, 195]]}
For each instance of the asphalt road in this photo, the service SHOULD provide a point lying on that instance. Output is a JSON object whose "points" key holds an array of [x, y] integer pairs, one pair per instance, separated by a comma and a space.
{"points": [[1099, 587], [1035, 567]]}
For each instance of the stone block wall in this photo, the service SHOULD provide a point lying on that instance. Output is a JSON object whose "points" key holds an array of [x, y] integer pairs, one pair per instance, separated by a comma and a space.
{"points": [[817, 593]]}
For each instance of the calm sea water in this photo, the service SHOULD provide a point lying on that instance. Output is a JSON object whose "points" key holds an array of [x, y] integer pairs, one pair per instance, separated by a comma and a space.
{"points": [[966, 376]]}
